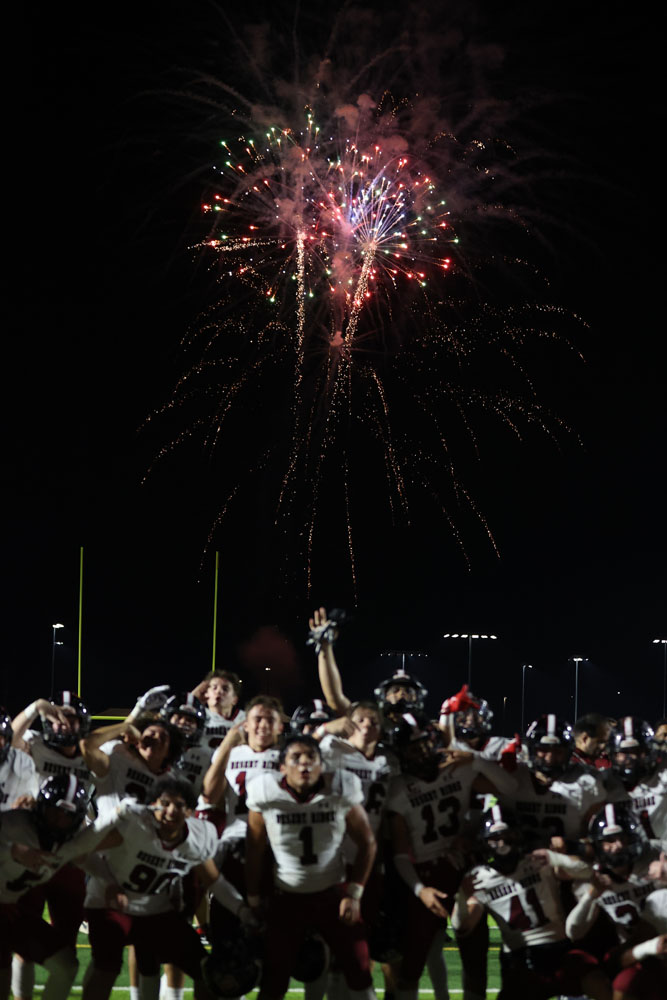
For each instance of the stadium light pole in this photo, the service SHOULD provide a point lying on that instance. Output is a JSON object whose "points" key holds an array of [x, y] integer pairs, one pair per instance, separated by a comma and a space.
{"points": [[663, 643], [54, 643], [526, 666], [577, 660], [469, 637]]}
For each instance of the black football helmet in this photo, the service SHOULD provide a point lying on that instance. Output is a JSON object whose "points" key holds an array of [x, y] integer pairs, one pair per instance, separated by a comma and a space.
{"points": [[60, 808], [549, 733], [72, 705], [467, 715], [6, 735], [308, 717], [503, 843], [412, 699], [312, 960], [233, 966], [417, 742], [617, 821], [185, 703], [631, 750]]}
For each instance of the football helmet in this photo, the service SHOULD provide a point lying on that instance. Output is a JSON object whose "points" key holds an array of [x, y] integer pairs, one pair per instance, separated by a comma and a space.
{"points": [[417, 742], [308, 717], [617, 821], [549, 733], [6, 735], [502, 839], [631, 750], [185, 703], [60, 808], [54, 734], [469, 717], [413, 697], [233, 966], [312, 960]]}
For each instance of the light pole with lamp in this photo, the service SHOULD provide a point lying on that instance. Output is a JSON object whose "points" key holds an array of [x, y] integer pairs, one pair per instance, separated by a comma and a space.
{"points": [[577, 660], [469, 637], [663, 643], [526, 666], [55, 642]]}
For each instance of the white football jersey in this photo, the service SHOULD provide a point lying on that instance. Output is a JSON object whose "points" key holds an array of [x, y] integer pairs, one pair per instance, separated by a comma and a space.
{"points": [[17, 777], [525, 905], [624, 901], [128, 776], [243, 767], [655, 911], [193, 764], [49, 762], [375, 774], [559, 810], [18, 827], [306, 837], [217, 727], [433, 810], [649, 800], [146, 870]]}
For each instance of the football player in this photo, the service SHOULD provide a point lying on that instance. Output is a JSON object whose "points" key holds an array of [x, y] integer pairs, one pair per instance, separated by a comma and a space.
{"points": [[18, 777], [521, 891], [619, 887], [554, 799], [33, 848], [220, 691], [427, 805], [641, 774], [133, 894], [303, 814]]}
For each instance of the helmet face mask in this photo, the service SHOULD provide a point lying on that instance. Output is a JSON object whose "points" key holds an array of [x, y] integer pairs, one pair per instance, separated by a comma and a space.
{"points": [[631, 748], [59, 735], [503, 840], [60, 808], [400, 693], [618, 838], [473, 723], [306, 718], [550, 743], [187, 714], [417, 742]]}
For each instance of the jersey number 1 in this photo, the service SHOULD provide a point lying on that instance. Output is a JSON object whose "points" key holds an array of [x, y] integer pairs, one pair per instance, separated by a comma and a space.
{"points": [[306, 837]]}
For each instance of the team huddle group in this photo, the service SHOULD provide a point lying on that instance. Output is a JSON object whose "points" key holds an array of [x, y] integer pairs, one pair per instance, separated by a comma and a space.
{"points": [[242, 848]]}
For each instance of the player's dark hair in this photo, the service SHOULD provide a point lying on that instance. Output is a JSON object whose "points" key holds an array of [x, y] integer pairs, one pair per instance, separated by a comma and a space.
{"points": [[589, 724], [175, 736], [227, 675], [660, 722], [306, 741], [178, 787]]}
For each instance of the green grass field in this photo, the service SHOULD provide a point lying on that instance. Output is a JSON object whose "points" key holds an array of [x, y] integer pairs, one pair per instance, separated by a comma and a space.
{"points": [[452, 959]]}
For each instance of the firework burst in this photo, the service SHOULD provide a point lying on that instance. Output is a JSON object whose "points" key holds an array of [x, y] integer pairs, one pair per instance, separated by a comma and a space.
{"points": [[363, 256]]}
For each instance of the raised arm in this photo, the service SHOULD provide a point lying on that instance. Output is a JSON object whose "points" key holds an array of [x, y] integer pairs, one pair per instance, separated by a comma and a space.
{"points": [[215, 783], [24, 719], [330, 679], [97, 760]]}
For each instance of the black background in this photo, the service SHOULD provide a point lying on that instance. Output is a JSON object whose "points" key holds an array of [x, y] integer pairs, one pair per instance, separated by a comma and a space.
{"points": [[105, 188]]}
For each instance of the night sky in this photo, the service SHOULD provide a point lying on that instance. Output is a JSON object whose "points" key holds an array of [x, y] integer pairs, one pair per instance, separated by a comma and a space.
{"points": [[107, 177]]}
